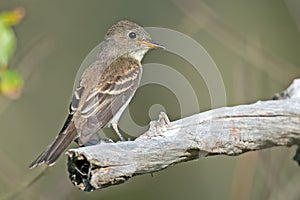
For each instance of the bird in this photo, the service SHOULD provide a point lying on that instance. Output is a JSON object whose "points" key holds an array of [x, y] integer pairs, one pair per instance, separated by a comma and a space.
{"points": [[104, 90]]}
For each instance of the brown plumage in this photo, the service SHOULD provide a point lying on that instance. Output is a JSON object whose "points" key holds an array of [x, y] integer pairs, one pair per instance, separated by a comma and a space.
{"points": [[104, 90]]}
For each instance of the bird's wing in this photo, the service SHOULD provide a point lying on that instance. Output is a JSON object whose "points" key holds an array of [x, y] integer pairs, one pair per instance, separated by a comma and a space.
{"points": [[116, 86]]}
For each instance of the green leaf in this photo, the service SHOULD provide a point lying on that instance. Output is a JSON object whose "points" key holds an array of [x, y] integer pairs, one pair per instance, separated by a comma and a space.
{"points": [[11, 83]]}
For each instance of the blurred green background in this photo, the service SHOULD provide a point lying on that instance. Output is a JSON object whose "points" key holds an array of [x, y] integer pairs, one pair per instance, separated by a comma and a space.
{"points": [[255, 44]]}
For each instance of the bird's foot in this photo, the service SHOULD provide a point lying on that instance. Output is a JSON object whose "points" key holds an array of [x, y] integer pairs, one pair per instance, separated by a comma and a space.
{"points": [[107, 140], [115, 127]]}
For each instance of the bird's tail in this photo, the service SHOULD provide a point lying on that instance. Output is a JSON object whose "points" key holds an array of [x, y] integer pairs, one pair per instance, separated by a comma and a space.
{"points": [[58, 146]]}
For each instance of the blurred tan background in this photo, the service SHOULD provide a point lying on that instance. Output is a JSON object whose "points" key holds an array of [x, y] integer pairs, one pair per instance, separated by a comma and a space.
{"points": [[255, 44]]}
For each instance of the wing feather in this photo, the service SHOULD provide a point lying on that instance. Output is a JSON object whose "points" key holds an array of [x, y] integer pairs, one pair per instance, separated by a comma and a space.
{"points": [[116, 86]]}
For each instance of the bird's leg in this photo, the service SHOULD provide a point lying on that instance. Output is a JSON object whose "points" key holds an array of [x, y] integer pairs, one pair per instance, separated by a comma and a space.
{"points": [[115, 127], [107, 140]]}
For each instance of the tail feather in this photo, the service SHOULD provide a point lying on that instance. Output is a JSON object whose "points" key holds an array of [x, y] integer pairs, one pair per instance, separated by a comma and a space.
{"points": [[58, 146]]}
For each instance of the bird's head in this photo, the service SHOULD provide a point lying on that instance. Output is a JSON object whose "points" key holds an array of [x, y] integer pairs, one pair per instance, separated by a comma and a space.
{"points": [[130, 38]]}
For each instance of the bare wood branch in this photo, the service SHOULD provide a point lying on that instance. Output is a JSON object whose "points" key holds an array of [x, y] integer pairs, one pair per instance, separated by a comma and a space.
{"points": [[229, 131]]}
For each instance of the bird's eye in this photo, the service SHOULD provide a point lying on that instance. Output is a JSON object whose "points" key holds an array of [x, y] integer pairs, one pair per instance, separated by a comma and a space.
{"points": [[132, 35]]}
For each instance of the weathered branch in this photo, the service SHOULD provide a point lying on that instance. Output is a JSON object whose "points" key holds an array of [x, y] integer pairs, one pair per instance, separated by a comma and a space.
{"points": [[228, 130]]}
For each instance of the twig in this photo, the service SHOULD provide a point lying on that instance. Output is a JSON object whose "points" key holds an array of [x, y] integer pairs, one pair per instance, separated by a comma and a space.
{"points": [[228, 131]]}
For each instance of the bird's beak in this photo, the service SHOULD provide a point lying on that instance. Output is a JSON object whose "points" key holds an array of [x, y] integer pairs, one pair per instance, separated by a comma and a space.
{"points": [[152, 45]]}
